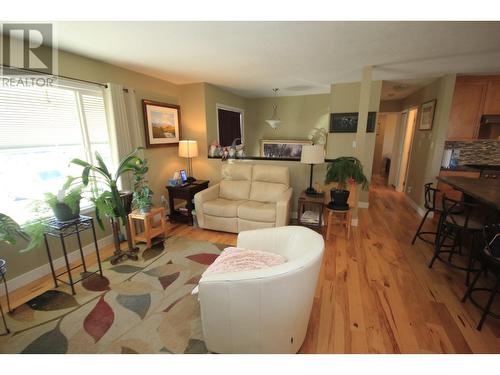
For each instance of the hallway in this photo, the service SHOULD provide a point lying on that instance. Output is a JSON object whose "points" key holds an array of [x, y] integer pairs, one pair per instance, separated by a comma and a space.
{"points": [[376, 294]]}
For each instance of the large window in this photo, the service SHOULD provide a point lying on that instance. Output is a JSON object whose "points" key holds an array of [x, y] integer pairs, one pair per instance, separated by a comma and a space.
{"points": [[41, 130], [229, 125]]}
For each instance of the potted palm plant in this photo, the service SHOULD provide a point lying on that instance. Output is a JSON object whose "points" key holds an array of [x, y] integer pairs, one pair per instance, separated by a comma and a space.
{"points": [[108, 200], [344, 170]]}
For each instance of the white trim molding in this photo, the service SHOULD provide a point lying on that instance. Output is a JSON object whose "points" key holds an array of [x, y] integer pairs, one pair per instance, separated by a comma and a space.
{"points": [[38, 273], [363, 204], [421, 211]]}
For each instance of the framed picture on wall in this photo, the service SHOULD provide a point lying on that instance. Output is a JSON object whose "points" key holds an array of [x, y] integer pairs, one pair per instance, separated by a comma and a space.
{"points": [[162, 123], [427, 115], [348, 122], [282, 149]]}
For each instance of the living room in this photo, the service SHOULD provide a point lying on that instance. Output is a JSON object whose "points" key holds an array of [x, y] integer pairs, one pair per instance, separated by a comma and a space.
{"points": [[233, 195]]}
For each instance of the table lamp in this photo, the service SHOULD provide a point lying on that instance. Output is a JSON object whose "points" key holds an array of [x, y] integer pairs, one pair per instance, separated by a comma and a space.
{"points": [[189, 149], [312, 154]]}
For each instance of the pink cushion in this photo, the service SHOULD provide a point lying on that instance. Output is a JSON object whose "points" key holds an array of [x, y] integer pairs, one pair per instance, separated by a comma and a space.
{"points": [[234, 259]]}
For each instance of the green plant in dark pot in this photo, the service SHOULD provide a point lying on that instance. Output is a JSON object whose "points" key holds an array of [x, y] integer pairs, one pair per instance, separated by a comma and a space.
{"points": [[66, 204], [108, 200], [344, 170], [143, 199]]}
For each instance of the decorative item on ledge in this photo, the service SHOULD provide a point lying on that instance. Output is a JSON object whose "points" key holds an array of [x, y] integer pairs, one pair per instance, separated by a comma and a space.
{"points": [[312, 154], [282, 149]]}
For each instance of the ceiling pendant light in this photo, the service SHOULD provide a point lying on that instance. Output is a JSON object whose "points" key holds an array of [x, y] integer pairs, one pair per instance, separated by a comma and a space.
{"points": [[274, 122]]}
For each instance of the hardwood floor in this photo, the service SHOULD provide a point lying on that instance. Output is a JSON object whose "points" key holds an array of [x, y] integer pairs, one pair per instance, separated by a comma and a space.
{"points": [[375, 293]]}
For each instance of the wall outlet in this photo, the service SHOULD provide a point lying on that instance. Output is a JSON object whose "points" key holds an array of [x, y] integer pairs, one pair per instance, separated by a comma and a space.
{"points": [[409, 189], [353, 144]]}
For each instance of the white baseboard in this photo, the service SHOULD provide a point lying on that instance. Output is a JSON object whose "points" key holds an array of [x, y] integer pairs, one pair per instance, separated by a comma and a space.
{"points": [[37, 273], [421, 211], [363, 204]]}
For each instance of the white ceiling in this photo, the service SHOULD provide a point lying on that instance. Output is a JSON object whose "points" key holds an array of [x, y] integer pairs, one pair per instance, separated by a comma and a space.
{"points": [[250, 58]]}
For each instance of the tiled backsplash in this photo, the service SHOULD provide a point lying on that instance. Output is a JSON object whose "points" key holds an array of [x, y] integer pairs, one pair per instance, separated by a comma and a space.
{"points": [[476, 152]]}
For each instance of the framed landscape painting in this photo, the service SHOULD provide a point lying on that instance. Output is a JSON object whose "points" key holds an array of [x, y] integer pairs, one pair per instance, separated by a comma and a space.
{"points": [[427, 115], [162, 123], [282, 149]]}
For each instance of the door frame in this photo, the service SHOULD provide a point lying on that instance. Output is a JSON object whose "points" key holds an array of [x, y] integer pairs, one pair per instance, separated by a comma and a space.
{"points": [[404, 130]]}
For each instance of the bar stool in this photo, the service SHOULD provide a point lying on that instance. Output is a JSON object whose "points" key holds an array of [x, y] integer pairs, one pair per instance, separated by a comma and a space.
{"points": [[455, 223], [489, 257], [432, 206]]}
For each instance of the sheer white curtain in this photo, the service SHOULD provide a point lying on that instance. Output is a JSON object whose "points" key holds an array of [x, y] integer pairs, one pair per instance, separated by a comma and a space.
{"points": [[123, 122]]}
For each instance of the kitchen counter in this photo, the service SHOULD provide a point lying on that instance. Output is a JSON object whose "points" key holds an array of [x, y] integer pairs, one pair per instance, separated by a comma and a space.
{"points": [[485, 191], [461, 168]]}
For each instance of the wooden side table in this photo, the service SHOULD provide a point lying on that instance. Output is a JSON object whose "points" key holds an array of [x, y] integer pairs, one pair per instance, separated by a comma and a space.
{"points": [[313, 205], [150, 231], [185, 193]]}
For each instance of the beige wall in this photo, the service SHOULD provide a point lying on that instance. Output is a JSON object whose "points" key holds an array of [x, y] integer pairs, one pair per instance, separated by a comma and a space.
{"points": [[299, 114], [428, 146]]}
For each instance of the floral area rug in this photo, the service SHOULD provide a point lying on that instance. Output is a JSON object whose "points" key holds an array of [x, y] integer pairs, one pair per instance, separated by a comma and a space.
{"points": [[141, 306]]}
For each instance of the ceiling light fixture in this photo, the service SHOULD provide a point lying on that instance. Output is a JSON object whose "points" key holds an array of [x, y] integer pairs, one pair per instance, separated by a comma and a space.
{"points": [[274, 122]]}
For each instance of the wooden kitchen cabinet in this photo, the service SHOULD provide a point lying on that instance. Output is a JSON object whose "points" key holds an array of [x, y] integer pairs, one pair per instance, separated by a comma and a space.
{"points": [[466, 109], [474, 97], [492, 102]]}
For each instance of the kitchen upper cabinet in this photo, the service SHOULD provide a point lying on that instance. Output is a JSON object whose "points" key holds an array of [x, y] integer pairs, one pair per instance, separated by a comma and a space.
{"points": [[466, 109], [492, 102]]}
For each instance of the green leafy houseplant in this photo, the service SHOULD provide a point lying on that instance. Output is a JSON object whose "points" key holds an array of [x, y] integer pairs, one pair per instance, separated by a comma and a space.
{"points": [[66, 204], [107, 200], [10, 231], [344, 170], [143, 195], [143, 199]]}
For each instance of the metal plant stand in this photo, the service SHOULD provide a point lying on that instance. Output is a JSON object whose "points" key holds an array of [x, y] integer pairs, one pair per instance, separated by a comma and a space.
{"points": [[62, 230], [3, 270]]}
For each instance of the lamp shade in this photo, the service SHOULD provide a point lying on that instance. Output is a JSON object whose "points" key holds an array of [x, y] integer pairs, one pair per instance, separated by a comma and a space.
{"points": [[188, 149], [312, 154]]}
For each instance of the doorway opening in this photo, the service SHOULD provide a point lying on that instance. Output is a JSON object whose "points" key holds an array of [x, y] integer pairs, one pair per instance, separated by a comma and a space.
{"points": [[385, 139], [407, 131]]}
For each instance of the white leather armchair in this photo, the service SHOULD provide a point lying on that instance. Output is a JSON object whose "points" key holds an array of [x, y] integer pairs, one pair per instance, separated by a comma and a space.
{"points": [[266, 310]]}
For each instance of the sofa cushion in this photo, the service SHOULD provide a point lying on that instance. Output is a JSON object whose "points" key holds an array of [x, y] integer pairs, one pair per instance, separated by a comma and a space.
{"points": [[269, 182], [222, 207], [257, 211], [236, 181]]}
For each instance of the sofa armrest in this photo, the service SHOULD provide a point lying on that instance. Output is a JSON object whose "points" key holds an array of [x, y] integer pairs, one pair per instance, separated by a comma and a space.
{"points": [[283, 206], [208, 194]]}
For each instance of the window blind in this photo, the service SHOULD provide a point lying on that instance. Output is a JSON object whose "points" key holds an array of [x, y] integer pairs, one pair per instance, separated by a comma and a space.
{"points": [[41, 130]]}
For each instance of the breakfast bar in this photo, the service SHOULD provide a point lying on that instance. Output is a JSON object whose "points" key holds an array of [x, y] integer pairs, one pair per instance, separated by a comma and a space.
{"points": [[484, 191]]}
